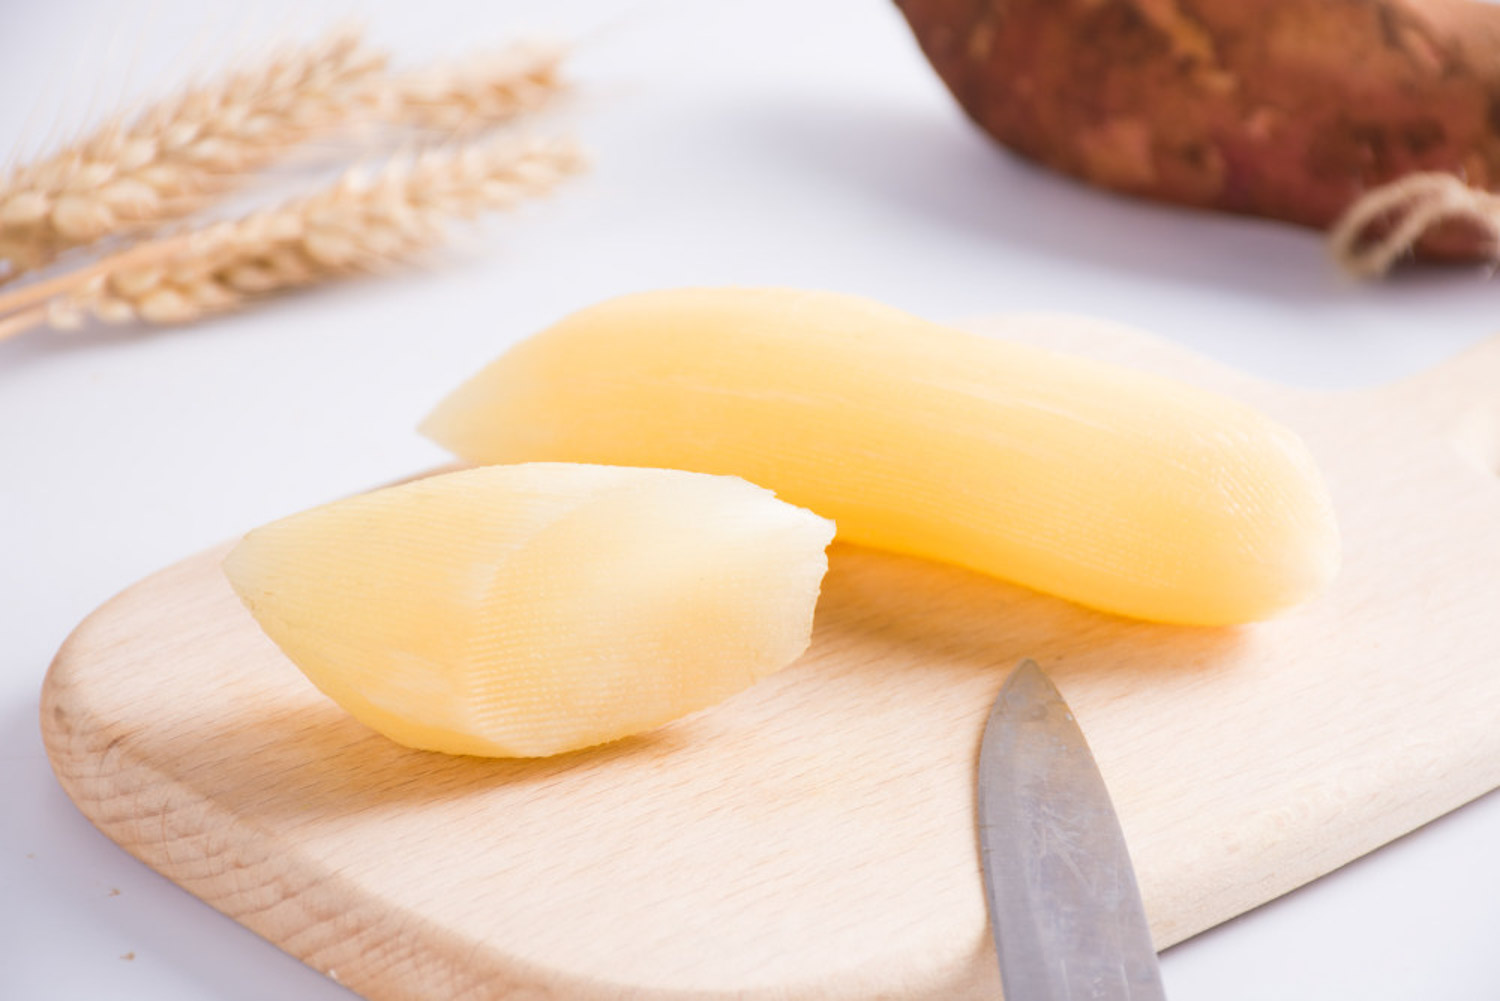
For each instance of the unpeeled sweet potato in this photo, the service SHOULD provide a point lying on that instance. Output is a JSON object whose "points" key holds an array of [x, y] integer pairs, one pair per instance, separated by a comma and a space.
{"points": [[1289, 109]]}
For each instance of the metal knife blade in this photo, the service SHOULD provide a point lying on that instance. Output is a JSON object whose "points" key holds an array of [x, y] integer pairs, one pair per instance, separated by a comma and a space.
{"points": [[1065, 910]]}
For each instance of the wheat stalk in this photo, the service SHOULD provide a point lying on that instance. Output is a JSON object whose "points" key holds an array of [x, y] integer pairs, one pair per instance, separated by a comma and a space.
{"points": [[175, 156], [164, 162], [362, 223]]}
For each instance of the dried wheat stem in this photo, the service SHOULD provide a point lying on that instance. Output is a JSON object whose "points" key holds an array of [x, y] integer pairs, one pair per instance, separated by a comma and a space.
{"points": [[140, 255], [1400, 213], [362, 223], [162, 163], [21, 322]]}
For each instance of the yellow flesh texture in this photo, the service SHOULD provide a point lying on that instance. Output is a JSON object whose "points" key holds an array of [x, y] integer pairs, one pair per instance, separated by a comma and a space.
{"points": [[533, 609], [1118, 489]]}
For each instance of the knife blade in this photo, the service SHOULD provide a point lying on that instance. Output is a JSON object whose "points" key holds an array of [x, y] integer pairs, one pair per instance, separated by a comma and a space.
{"points": [[1065, 910]]}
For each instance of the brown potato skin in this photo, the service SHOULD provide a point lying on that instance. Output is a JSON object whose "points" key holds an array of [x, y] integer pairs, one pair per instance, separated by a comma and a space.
{"points": [[1289, 109]]}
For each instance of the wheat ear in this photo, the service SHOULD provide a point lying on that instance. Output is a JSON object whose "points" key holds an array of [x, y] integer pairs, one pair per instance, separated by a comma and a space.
{"points": [[163, 163], [175, 156], [478, 92], [363, 223]]}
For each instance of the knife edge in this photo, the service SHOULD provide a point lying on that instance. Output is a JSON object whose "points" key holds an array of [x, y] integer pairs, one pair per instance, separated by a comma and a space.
{"points": [[1065, 909]]}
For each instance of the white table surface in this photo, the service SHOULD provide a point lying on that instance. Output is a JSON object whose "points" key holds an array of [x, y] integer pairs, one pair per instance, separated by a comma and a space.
{"points": [[754, 142]]}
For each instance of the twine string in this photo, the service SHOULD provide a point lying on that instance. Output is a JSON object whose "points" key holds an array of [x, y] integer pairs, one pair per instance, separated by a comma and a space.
{"points": [[1407, 209]]}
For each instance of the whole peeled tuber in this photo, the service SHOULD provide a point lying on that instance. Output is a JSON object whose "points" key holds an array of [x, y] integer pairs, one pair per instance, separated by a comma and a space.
{"points": [[1289, 109], [1108, 486]]}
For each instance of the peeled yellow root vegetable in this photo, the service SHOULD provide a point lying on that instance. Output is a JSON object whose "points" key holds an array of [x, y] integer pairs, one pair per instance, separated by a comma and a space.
{"points": [[532, 609], [1121, 490]]}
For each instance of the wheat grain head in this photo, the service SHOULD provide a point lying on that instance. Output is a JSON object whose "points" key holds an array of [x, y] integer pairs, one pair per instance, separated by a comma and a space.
{"points": [[162, 163], [477, 92], [172, 158], [365, 222]]}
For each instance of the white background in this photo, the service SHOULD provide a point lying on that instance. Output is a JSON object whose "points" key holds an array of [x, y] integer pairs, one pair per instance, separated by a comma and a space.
{"points": [[754, 142]]}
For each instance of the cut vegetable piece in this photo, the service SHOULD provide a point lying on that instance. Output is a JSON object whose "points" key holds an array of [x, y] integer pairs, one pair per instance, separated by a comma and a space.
{"points": [[532, 609], [1118, 489]]}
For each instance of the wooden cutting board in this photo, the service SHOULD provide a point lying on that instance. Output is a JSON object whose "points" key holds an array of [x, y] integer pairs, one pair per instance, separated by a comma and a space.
{"points": [[813, 837]]}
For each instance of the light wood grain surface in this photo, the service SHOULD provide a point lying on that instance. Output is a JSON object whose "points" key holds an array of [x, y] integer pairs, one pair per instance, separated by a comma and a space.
{"points": [[813, 837]]}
